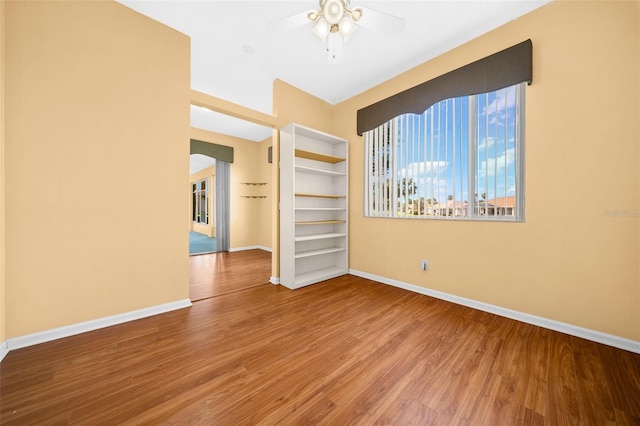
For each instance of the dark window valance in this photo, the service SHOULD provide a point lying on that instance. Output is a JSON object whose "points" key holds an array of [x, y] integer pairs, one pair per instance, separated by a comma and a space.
{"points": [[503, 69], [219, 152]]}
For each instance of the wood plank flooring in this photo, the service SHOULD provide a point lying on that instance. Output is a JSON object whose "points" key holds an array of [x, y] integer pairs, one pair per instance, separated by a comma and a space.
{"points": [[221, 273], [346, 351]]}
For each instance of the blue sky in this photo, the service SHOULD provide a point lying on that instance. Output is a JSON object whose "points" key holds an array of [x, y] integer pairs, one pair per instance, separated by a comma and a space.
{"points": [[433, 147]]}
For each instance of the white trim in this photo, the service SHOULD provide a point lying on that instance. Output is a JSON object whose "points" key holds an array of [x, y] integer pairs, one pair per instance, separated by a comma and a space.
{"points": [[274, 280], [250, 248], [4, 350], [83, 327], [585, 333]]}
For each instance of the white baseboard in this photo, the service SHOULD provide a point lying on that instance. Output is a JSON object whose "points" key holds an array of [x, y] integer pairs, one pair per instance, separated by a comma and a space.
{"points": [[585, 333], [83, 327], [4, 350], [274, 280], [250, 248]]}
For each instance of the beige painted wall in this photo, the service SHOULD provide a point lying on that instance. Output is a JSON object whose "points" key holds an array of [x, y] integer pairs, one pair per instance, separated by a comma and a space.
{"points": [[574, 260], [291, 104], [208, 229], [2, 182], [264, 175], [97, 153], [245, 212]]}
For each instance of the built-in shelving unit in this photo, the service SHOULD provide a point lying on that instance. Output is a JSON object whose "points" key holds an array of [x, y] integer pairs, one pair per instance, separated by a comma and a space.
{"points": [[313, 206]]}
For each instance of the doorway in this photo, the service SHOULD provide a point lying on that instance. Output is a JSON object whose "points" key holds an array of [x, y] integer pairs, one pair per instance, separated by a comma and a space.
{"points": [[202, 238], [250, 209], [210, 186]]}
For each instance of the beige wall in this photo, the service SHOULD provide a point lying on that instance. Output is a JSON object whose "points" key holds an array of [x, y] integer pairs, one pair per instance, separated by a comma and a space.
{"points": [[291, 104], [97, 153], [265, 175], [207, 229], [2, 180], [245, 212], [573, 260]]}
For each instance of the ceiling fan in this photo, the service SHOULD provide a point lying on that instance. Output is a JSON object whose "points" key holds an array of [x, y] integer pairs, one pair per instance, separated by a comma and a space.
{"points": [[335, 22]]}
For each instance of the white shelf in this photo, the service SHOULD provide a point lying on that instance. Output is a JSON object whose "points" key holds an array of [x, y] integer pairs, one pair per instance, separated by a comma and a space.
{"points": [[311, 253], [312, 277], [316, 156], [321, 222], [321, 172], [315, 237], [321, 209], [320, 195], [314, 206]]}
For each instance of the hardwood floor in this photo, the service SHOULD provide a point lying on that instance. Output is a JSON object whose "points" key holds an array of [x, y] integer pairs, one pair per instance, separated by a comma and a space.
{"points": [[221, 273], [346, 351]]}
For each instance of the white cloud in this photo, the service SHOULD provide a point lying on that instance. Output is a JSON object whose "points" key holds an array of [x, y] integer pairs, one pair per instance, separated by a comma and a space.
{"points": [[419, 169], [505, 99], [487, 142], [490, 166]]}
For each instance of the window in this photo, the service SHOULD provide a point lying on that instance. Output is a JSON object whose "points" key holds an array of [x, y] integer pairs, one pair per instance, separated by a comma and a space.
{"points": [[200, 202], [460, 159]]}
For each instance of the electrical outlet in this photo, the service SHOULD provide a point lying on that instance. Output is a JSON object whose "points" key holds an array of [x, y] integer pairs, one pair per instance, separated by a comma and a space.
{"points": [[424, 265]]}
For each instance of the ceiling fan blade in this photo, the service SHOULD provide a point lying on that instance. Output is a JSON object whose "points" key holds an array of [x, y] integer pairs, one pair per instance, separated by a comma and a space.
{"points": [[293, 21], [380, 21]]}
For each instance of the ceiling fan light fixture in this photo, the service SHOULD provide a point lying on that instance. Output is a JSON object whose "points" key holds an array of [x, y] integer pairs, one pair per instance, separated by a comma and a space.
{"points": [[333, 11], [347, 28], [356, 14], [313, 15], [321, 29], [334, 22]]}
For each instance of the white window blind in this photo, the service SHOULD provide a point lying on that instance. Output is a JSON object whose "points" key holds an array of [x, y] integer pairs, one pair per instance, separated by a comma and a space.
{"points": [[463, 158]]}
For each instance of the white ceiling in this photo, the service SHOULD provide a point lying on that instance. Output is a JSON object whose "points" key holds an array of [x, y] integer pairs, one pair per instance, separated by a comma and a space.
{"points": [[236, 57], [199, 162]]}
